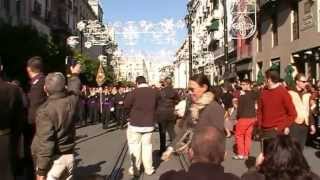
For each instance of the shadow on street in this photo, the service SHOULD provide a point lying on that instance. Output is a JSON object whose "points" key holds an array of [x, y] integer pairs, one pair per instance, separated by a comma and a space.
{"points": [[89, 172], [98, 135]]}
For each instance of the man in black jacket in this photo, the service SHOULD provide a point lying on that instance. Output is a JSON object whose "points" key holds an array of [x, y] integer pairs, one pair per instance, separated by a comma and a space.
{"points": [[11, 108], [141, 103], [36, 97], [119, 106], [165, 113], [54, 141]]}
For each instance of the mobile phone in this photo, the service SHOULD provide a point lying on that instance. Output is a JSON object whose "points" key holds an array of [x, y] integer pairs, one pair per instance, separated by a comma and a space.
{"points": [[70, 62]]}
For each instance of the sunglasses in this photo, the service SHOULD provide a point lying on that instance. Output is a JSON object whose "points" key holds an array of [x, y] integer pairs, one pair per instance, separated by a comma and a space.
{"points": [[303, 81]]}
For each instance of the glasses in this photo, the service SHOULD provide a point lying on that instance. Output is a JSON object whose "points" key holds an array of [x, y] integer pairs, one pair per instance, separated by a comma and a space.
{"points": [[303, 81], [191, 89]]}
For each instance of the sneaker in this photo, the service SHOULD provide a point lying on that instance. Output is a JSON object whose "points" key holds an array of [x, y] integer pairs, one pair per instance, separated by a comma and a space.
{"points": [[132, 173], [149, 173]]}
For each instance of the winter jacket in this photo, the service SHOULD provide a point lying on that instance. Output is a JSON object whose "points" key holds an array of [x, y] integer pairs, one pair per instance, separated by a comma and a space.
{"points": [[55, 130]]}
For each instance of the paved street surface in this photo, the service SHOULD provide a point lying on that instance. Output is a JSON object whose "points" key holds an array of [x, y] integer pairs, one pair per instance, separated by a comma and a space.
{"points": [[98, 151]]}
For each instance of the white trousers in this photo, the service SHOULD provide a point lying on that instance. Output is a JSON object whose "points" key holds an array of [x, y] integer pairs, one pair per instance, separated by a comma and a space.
{"points": [[62, 168], [140, 148]]}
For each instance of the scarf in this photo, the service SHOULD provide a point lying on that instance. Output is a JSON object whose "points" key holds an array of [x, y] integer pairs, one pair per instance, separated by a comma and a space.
{"points": [[200, 104]]}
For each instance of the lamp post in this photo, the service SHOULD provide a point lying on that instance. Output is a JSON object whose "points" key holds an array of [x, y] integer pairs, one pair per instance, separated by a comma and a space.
{"points": [[225, 33], [188, 20]]}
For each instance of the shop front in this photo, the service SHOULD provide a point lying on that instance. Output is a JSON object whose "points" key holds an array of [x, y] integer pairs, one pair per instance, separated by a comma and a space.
{"points": [[308, 62]]}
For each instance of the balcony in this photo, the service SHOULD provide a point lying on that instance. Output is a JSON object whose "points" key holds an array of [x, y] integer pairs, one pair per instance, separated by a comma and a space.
{"points": [[214, 26], [244, 49], [48, 17]]}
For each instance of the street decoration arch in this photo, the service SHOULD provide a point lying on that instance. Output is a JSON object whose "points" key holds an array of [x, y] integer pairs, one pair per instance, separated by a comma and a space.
{"points": [[244, 19]]}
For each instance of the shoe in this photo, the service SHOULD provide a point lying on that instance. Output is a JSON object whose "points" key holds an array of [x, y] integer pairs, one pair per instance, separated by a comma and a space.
{"points": [[239, 157], [132, 172], [167, 154], [149, 173]]}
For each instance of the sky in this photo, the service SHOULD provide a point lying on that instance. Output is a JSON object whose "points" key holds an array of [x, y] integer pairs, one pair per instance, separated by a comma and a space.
{"points": [[153, 29]]}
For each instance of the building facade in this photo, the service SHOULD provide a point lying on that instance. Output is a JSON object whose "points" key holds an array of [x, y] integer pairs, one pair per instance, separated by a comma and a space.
{"points": [[131, 67], [207, 27], [288, 35], [54, 18], [15, 12], [181, 66]]}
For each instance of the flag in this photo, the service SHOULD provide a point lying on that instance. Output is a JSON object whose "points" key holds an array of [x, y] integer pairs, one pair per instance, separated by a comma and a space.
{"points": [[101, 77]]}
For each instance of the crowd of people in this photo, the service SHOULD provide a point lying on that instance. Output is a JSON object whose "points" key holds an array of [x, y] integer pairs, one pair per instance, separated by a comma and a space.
{"points": [[102, 105], [282, 118], [40, 125]]}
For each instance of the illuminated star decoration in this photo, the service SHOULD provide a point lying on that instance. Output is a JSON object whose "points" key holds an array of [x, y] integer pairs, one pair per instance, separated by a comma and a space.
{"points": [[163, 32]]}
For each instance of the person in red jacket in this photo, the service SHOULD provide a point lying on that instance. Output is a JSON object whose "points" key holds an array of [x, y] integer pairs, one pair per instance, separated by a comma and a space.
{"points": [[276, 111]]}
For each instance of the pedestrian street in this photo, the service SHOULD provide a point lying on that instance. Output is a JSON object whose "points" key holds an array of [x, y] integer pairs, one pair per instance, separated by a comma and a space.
{"points": [[98, 150]]}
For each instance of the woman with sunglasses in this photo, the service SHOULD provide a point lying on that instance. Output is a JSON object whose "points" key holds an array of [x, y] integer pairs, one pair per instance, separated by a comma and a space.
{"points": [[202, 111]]}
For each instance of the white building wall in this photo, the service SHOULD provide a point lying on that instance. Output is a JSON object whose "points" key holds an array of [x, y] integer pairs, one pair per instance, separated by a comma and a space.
{"points": [[181, 74]]}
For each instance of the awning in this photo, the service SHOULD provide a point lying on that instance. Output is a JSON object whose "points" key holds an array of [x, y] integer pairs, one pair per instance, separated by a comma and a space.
{"points": [[248, 58], [229, 75], [244, 67]]}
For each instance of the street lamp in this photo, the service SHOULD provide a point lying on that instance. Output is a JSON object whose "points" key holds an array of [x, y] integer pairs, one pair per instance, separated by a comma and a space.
{"points": [[188, 20], [225, 33]]}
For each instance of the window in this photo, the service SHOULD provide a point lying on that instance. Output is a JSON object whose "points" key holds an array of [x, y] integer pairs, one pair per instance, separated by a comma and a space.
{"points": [[18, 8], [274, 30], [6, 6], [307, 7], [47, 12], [259, 38], [295, 22], [70, 4], [276, 64], [215, 4], [37, 8]]}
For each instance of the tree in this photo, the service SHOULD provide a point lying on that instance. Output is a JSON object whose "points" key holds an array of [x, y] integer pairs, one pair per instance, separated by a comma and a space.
{"points": [[260, 78], [289, 77], [90, 69]]}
